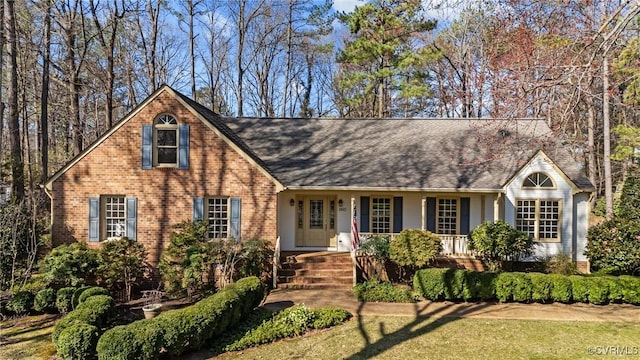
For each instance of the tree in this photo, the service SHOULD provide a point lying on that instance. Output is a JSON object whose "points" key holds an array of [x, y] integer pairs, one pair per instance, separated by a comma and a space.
{"points": [[122, 262], [384, 64], [495, 243]]}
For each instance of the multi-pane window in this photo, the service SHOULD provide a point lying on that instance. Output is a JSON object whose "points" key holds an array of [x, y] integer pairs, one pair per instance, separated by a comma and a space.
{"points": [[114, 216], [538, 180], [218, 218], [539, 218], [381, 215], [166, 140], [447, 216]]}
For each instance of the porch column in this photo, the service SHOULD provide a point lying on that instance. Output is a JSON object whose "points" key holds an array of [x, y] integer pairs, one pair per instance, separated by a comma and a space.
{"points": [[423, 209], [496, 207]]}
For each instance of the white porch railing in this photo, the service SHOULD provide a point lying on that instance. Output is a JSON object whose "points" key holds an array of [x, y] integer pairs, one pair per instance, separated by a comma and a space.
{"points": [[276, 262], [452, 245]]}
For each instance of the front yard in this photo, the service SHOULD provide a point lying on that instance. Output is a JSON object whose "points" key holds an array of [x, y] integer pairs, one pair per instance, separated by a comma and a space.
{"points": [[393, 337]]}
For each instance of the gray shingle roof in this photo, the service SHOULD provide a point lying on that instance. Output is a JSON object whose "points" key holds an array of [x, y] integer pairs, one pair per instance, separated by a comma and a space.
{"points": [[400, 153]]}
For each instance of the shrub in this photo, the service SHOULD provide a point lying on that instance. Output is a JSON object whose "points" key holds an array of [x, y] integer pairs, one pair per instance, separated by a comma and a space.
{"points": [[616, 288], [122, 263], [64, 299], [456, 285], [183, 329], [377, 291], [496, 242], [21, 303], [579, 288], [45, 301], [77, 341], [481, 285], [72, 264], [561, 289], [629, 204], [92, 291], [504, 286], [630, 289], [255, 258], [542, 286], [598, 290], [430, 283], [96, 311], [292, 321], [377, 246], [414, 248], [561, 263], [76, 295], [613, 247]]}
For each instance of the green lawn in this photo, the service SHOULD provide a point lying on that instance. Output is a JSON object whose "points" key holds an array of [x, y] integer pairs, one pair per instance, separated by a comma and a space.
{"points": [[27, 337], [424, 338]]}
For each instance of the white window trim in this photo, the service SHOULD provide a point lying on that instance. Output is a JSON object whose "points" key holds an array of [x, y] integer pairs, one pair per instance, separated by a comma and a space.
{"points": [[437, 214], [228, 218], [390, 198], [103, 217], [163, 126], [536, 236]]}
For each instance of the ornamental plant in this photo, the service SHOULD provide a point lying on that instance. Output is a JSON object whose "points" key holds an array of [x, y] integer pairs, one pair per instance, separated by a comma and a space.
{"points": [[70, 265], [614, 247], [414, 248], [122, 264], [497, 242]]}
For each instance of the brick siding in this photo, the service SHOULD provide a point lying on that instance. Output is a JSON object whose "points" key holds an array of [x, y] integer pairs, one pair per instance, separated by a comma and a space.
{"points": [[165, 195]]}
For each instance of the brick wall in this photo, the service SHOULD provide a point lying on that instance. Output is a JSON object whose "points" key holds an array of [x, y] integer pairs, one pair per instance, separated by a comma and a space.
{"points": [[165, 195]]}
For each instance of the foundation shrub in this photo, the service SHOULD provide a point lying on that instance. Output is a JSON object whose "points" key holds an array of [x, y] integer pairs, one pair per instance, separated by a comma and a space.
{"points": [[21, 303], [455, 287], [630, 289], [64, 298], [598, 290], [561, 288], [45, 301], [430, 283], [375, 290], [579, 288], [92, 291], [541, 287], [76, 295], [481, 285]]}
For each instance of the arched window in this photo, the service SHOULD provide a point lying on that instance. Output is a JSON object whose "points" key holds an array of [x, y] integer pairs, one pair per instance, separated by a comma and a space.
{"points": [[538, 180], [166, 140]]}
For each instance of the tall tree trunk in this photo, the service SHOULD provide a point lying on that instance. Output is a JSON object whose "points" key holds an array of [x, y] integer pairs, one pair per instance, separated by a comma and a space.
{"points": [[591, 145], [287, 71], [608, 186], [17, 164], [192, 50], [241, 34], [1, 79], [44, 97]]}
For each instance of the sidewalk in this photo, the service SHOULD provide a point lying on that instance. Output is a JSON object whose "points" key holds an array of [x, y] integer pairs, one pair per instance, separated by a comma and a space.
{"points": [[282, 298]]}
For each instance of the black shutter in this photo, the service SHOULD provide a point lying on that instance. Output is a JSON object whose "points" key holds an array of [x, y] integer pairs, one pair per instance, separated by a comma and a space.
{"points": [[431, 214], [465, 214], [364, 214], [397, 214]]}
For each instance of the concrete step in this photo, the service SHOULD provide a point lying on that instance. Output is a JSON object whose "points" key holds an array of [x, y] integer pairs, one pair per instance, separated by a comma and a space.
{"points": [[315, 279], [316, 286]]}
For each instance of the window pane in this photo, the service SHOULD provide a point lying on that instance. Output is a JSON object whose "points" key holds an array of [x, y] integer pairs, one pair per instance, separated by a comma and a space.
{"points": [[114, 215], [218, 218], [167, 138], [316, 220], [381, 215], [167, 155], [447, 216], [549, 219], [526, 216]]}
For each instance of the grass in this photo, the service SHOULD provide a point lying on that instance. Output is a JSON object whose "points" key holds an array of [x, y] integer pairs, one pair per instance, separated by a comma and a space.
{"points": [[27, 337], [447, 338]]}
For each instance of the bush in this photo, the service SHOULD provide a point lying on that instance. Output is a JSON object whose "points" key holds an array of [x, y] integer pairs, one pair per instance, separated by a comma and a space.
{"points": [[561, 288], [378, 291], [292, 321], [64, 299], [561, 263], [579, 288], [377, 246], [542, 286], [21, 303], [96, 310], [122, 263], [414, 248], [77, 341], [598, 290], [504, 286], [184, 329], [430, 283], [76, 295], [613, 247], [72, 264], [255, 258], [630, 289], [496, 242], [481, 285], [92, 291], [45, 301], [456, 287]]}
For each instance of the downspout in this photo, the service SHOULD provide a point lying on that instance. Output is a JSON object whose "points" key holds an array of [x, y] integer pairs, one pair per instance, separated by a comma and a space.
{"points": [[50, 195]]}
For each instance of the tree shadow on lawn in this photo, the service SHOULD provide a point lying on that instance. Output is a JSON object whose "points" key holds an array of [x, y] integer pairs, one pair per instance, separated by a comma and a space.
{"points": [[425, 321]]}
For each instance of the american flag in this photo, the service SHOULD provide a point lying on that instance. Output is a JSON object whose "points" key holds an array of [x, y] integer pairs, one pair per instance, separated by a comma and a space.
{"points": [[355, 237]]}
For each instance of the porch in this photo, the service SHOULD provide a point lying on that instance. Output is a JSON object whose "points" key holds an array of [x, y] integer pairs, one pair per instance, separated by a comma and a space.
{"points": [[452, 245]]}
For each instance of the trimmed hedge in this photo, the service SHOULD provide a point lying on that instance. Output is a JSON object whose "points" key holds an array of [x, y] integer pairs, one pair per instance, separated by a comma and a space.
{"points": [[456, 285], [178, 331], [64, 299], [382, 291], [45, 301], [76, 295], [92, 291], [73, 335]]}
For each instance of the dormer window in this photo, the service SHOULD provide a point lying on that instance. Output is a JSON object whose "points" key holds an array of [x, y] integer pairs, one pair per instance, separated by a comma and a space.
{"points": [[166, 141], [538, 180], [165, 144]]}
